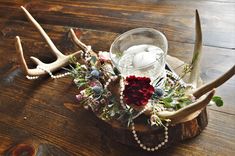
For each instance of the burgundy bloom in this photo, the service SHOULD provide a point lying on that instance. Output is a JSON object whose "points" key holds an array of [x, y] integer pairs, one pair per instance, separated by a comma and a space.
{"points": [[137, 90]]}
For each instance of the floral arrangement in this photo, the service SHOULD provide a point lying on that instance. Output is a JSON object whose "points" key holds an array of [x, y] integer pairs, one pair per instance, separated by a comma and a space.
{"points": [[136, 94]]}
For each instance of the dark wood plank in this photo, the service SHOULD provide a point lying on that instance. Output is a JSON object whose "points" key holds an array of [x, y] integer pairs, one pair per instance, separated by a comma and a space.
{"points": [[174, 18], [73, 137]]}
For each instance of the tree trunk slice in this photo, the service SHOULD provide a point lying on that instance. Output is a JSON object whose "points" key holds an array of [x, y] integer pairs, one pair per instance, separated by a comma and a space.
{"points": [[152, 136]]}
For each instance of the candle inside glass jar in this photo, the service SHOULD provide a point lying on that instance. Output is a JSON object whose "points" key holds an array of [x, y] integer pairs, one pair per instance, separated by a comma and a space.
{"points": [[142, 60]]}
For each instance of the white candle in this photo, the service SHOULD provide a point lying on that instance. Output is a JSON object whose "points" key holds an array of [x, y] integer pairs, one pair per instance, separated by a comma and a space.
{"points": [[141, 60]]}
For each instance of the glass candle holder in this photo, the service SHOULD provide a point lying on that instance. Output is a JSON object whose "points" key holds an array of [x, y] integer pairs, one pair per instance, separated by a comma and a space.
{"points": [[140, 52]]}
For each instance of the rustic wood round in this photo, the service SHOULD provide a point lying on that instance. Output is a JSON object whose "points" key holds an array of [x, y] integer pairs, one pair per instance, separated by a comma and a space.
{"points": [[152, 135]]}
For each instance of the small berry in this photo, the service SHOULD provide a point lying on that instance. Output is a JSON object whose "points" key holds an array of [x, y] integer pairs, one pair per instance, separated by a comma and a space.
{"points": [[158, 92], [95, 73], [97, 90]]}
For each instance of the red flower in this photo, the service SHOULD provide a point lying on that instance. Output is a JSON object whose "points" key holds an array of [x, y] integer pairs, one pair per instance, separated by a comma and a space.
{"points": [[137, 90]]}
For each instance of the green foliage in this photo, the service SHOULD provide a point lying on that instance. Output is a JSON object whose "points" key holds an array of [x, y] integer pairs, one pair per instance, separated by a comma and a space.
{"points": [[78, 72], [116, 71], [167, 102], [218, 101], [93, 60], [109, 111], [175, 96]]}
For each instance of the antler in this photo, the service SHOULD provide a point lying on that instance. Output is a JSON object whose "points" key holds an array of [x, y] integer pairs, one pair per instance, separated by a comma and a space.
{"points": [[214, 84], [83, 46], [194, 75], [192, 110], [62, 60], [188, 112]]}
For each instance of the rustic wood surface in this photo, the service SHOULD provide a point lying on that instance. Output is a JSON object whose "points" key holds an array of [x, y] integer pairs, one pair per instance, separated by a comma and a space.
{"points": [[33, 112]]}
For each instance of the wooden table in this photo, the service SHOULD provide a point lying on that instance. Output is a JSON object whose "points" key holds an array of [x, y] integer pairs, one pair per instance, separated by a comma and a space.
{"points": [[34, 111]]}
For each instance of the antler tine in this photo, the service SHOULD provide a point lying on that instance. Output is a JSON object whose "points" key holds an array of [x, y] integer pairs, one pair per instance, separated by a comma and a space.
{"points": [[77, 41], [55, 51], [37, 61], [19, 49], [83, 46], [27, 71], [194, 75], [214, 84], [187, 112]]}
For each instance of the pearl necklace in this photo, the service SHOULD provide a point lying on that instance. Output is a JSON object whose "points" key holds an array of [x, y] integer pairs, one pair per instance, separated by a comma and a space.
{"points": [[144, 147], [149, 148], [49, 72], [122, 87], [85, 55], [32, 77], [112, 78]]}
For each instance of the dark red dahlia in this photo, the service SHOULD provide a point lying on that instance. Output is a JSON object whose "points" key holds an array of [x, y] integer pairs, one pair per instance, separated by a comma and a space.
{"points": [[137, 90]]}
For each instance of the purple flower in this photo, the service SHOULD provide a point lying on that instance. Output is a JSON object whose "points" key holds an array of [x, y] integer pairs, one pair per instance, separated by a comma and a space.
{"points": [[79, 97]]}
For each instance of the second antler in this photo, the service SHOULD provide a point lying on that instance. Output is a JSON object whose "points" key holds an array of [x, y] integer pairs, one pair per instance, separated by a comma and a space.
{"points": [[192, 110]]}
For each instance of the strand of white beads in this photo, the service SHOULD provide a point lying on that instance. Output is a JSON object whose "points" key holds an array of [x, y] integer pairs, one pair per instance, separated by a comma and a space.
{"points": [[32, 77], [112, 78], [122, 87], [60, 75], [85, 55], [150, 148], [53, 76]]}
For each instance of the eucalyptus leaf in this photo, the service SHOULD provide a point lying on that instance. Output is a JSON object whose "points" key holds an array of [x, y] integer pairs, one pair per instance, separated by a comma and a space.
{"points": [[93, 60], [79, 85], [168, 105], [178, 106], [167, 100], [218, 101]]}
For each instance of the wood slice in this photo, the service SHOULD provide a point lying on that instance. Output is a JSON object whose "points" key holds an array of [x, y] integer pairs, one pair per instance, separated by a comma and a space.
{"points": [[152, 135]]}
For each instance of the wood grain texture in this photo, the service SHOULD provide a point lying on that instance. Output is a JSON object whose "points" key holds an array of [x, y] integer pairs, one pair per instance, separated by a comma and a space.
{"points": [[50, 125]]}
